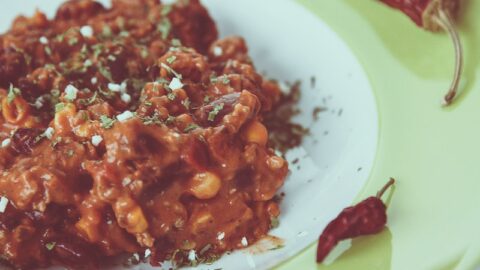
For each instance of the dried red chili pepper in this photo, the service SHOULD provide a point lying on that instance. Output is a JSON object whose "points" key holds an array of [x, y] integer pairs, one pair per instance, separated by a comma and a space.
{"points": [[434, 16], [367, 217]]}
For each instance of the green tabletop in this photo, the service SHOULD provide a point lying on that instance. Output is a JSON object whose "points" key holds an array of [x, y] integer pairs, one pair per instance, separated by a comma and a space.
{"points": [[434, 152]]}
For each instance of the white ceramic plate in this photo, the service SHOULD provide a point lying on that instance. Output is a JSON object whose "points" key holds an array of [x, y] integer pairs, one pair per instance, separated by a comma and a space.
{"points": [[289, 43]]}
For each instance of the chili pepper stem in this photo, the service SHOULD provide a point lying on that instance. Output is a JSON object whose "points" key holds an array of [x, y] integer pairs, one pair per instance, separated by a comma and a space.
{"points": [[444, 20], [386, 187]]}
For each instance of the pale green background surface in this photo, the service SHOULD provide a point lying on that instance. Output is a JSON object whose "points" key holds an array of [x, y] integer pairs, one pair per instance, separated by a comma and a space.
{"points": [[434, 152]]}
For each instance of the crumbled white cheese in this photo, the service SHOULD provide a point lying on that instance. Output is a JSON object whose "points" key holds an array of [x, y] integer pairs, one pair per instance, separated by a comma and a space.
{"points": [[86, 31], [123, 86], [125, 116], [244, 241], [3, 204], [136, 256], [94, 80], [148, 252], [46, 177], [217, 51], [220, 236], [192, 255], [88, 63], [71, 92], [175, 84], [48, 133], [126, 98], [114, 87], [38, 102], [96, 140], [6, 142], [126, 181], [43, 40]]}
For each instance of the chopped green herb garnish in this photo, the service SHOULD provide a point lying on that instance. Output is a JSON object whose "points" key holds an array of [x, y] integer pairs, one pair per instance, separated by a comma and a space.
{"points": [[171, 96], [39, 138], [169, 69], [213, 79], [171, 59], [72, 41], [170, 120], [191, 127], [162, 80], [225, 80], [84, 51], [48, 50], [186, 103], [107, 31], [164, 28], [166, 10], [206, 99], [121, 22], [13, 92], [215, 111], [148, 103], [92, 99], [59, 107], [124, 34], [152, 120], [56, 141], [274, 222], [105, 72], [55, 92], [105, 94], [60, 37], [50, 246], [106, 121], [176, 42], [144, 52], [97, 50], [49, 66]]}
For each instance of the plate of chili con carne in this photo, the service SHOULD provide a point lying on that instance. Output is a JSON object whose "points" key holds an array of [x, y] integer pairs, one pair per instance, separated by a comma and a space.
{"points": [[158, 132]]}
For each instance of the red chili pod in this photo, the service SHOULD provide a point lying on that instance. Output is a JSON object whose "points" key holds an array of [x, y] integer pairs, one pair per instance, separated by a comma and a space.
{"points": [[434, 16], [367, 217]]}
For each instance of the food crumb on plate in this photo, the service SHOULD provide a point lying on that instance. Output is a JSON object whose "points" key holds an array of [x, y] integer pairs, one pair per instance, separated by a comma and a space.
{"points": [[192, 255]]}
